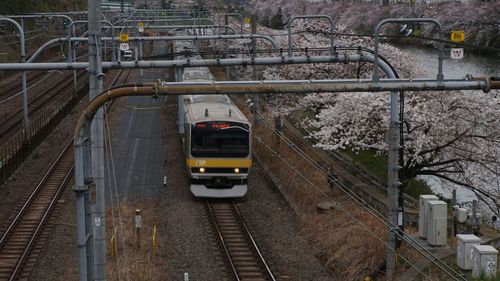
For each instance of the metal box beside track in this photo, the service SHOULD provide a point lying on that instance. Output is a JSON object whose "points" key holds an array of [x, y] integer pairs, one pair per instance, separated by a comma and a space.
{"points": [[437, 223], [422, 214], [464, 250], [484, 258]]}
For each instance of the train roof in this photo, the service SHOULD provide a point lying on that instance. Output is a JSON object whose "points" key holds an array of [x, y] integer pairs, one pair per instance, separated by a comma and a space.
{"points": [[197, 74], [217, 107]]}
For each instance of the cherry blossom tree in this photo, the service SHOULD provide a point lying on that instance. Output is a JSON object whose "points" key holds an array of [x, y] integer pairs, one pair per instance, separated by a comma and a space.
{"points": [[451, 135]]}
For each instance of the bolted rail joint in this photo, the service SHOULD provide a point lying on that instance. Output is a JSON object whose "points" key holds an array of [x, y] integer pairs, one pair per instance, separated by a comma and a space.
{"points": [[77, 188]]}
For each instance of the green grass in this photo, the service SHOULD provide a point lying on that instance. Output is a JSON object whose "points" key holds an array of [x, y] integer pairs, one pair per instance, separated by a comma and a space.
{"points": [[434, 273], [377, 165], [482, 277], [417, 187], [371, 161]]}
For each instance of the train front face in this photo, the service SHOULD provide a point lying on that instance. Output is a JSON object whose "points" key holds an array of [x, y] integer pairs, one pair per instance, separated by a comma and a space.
{"points": [[219, 159]]}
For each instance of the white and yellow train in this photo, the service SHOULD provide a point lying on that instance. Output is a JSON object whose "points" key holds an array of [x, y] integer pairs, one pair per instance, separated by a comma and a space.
{"points": [[216, 137]]}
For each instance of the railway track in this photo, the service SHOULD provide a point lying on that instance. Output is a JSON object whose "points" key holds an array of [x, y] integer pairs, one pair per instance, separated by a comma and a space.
{"points": [[42, 100], [17, 243], [37, 103], [246, 261], [32, 78], [20, 237], [13, 88]]}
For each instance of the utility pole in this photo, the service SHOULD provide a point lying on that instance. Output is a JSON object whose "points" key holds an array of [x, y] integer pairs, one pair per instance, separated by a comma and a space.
{"points": [[392, 188], [97, 142], [254, 67], [401, 172]]}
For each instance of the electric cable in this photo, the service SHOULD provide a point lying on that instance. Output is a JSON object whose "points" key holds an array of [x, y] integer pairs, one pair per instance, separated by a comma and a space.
{"points": [[107, 136], [365, 205], [338, 205], [120, 218]]}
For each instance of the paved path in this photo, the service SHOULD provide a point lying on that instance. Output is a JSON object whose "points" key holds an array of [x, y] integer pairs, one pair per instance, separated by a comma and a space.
{"points": [[137, 142]]}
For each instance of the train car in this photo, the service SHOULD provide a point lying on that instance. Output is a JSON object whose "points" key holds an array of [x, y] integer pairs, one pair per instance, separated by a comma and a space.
{"points": [[216, 138]]}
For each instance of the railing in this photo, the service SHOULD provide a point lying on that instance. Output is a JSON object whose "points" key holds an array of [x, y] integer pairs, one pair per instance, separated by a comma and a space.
{"points": [[354, 168]]}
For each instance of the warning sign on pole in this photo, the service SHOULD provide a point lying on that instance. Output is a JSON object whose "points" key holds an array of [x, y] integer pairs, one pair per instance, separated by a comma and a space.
{"points": [[141, 24], [246, 22], [457, 36], [141, 29], [123, 37]]}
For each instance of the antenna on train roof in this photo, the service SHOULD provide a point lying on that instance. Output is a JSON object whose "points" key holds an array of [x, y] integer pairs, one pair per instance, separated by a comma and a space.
{"points": [[206, 112], [230, 112]]}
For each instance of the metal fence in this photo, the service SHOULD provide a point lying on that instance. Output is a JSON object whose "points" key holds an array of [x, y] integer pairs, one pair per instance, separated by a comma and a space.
{"points": [[22, 144]]}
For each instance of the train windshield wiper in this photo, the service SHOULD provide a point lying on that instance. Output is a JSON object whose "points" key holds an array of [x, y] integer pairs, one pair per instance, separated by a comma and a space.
{"points": [[235, 127]]}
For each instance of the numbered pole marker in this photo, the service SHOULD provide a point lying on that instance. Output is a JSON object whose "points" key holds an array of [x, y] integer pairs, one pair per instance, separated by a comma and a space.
{"points": [[124, 46], [457, 53]]}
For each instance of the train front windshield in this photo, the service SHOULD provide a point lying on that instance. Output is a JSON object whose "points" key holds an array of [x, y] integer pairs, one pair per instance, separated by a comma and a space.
{"points": [[220, 139]]}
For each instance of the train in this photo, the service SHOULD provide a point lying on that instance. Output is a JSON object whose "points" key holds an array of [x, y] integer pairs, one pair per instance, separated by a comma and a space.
{"points": [[216, 136]]}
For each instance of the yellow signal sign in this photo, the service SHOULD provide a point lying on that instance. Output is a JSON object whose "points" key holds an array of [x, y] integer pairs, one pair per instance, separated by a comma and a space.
{"points": [[141, 24], [457, 36], [246, 20], [123, 37]]}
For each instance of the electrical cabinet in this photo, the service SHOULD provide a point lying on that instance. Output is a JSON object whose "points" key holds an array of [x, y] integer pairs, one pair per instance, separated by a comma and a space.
{"points": [[437, 223], [484, 259], [422, 214], [464, 250]]}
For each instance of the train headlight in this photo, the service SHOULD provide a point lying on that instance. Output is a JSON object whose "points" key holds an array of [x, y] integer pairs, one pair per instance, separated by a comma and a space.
{"points": [[202, 170], [236, 170]]}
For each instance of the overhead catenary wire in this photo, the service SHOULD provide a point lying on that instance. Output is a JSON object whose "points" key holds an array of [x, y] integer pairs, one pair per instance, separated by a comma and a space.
{"points": [[338, 205], [365, 205], [107, 135], [347, 34], [120, 218]]}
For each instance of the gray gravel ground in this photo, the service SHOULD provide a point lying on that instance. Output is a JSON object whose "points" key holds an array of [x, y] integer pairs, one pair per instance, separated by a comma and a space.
{"points": [[189, 242], [275, 229]]}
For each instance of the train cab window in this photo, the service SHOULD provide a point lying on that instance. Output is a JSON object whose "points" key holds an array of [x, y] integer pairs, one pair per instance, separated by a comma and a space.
{"points": [[219, 140]]}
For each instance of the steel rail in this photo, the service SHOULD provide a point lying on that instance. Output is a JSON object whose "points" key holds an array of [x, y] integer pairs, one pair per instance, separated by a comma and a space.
{"points": [[63, 156], [221, 239], [59, 163], [38, 101], [256, 248], [31, 197], [227, 217], [45, 217], [32, 77]]}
